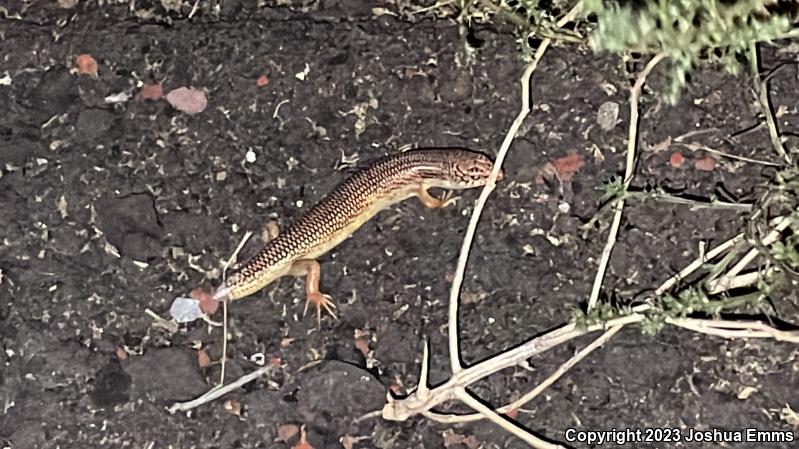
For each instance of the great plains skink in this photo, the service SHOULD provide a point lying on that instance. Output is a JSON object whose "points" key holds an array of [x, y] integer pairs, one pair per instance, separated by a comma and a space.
{"points": [[294, 250]]}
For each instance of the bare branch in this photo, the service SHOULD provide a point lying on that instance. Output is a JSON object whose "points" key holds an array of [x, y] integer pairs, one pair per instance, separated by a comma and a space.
{"points": [[723, 283], [463, 258], [697, 264], [629, 171], [761, 89], [503, 422], [735, 329], [532, 394], [215, 393]]}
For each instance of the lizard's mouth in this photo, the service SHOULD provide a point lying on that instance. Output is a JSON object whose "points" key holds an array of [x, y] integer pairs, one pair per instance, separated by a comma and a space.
{"points": [[222, 293]]}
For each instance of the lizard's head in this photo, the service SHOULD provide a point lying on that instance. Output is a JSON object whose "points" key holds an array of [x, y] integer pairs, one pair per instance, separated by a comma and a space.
{"points": [[458, 169], [471, 169]]}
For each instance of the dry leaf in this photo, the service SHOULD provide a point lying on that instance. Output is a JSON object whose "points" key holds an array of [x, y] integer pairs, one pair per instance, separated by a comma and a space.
{"points": [[285, 432], [151, 92], [383, 11], [86, 65], [303, 444], [453, 439], [348, 441], [545, 172], [788, 415], [745, 392], [662, 146], [472, 298], [233, 406], [121, 353], [608, 115], [706, 163], [567, 166], [362, 345], [61, 205], [188, 100]]}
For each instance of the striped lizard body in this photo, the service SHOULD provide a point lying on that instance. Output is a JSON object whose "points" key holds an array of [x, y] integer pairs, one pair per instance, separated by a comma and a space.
{"points": [[387, 181]]}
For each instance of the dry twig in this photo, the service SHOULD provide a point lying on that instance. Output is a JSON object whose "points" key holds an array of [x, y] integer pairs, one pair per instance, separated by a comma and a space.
{"points": [[219, 391], [629, 171], [230, 261], [724, 283], [761, 90], [453, 334]]}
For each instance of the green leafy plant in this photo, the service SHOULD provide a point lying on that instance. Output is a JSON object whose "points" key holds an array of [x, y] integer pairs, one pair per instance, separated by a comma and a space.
{"points": [[689, 31]]}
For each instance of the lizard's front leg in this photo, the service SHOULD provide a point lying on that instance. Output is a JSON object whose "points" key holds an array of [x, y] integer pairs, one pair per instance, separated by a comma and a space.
{"points": [[311, 270]]}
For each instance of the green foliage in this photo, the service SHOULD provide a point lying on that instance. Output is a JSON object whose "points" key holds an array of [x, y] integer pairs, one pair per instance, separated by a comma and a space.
{"points": [[691, 301], [787, 251], [688, 31], [613, 189], [688, 301], [601, 313]]}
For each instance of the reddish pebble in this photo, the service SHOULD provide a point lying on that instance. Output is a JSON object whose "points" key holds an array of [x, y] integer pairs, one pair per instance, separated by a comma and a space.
{"points": [[151, 92], [87, 65], [706, 163], [676, 160], [188, 100], [262, 81], [567, 166]]}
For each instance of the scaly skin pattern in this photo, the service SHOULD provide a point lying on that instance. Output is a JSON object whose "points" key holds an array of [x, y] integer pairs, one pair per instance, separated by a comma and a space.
{"points": [[385, 182]]}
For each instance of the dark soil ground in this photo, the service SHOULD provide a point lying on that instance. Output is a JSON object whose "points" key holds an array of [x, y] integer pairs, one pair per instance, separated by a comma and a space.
{"points": [[112, 209]]}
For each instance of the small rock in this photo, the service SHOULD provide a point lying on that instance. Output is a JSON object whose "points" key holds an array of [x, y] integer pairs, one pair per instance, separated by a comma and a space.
{"points": [[707, 163], [608, 115], [56, 92], [188, 100], [93, 123], [333, 393], [394, 345], [150, 92], [458, 88], [194, 232], [264, 408], [86, 65], [676, 160], [111, 385], [168, 374], [17, 151], [131, 224]]}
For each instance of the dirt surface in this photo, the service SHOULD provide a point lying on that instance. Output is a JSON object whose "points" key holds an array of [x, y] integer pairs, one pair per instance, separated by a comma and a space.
{"points": [[108, 210]]}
